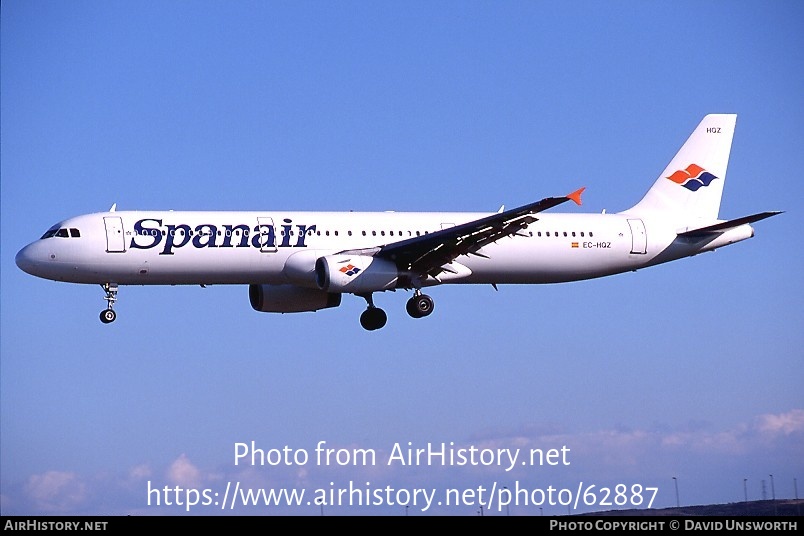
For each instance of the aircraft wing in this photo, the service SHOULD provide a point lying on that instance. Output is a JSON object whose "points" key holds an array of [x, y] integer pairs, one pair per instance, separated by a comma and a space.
{"points": [[427, 254]]}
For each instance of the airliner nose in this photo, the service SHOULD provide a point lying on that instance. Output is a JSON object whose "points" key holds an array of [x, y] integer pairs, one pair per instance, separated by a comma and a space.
{"points": [[26, 260]]}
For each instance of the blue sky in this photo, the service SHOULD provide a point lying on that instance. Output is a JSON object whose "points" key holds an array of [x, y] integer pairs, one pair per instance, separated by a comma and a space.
{"points": [[691, 370]]}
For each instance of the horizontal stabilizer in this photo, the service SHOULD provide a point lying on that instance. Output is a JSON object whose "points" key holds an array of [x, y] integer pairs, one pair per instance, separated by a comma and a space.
{"points": [[723, 226]]}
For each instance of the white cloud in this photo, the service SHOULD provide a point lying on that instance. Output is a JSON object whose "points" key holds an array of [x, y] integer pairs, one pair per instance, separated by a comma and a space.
{"points": [[140, 472], [183, 473], [56, 491], [784, 423]]}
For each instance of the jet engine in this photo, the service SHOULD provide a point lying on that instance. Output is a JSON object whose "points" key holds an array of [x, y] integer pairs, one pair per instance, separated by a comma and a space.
{"points": [[355, 274], [290, 299]]}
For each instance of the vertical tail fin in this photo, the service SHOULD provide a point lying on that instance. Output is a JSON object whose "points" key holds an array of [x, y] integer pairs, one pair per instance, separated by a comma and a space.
{"points": [[691, 186]]}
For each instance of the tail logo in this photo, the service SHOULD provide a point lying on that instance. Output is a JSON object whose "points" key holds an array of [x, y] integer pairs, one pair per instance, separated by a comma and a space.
{"points": [[692, 178]]}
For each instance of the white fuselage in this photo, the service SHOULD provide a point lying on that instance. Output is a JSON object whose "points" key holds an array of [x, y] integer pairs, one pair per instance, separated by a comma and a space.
{"points": [[170, 248]]}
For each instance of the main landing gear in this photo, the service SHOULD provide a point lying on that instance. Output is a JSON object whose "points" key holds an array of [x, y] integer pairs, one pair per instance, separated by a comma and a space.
{"points": [[108, 315], [420, 305], [373, 318]]}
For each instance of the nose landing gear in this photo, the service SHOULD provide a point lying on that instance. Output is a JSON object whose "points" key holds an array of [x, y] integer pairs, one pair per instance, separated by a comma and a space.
{"points": [[108, 315]]}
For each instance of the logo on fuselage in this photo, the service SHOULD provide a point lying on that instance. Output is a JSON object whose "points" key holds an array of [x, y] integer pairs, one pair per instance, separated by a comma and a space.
{"points": [[151, 232], [692, 178]]}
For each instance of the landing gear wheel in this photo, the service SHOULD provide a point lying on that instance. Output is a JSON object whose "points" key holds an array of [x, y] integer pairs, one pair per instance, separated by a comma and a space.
{"points": [[420, 305], [373, 318], [108, 316]]}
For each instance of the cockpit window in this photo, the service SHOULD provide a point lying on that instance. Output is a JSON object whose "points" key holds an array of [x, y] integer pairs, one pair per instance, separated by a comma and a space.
{"points": [[50, 232], [72, 232]]}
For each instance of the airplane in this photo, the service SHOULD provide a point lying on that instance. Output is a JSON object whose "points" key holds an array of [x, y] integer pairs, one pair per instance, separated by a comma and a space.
{"points": [[306, 261]]}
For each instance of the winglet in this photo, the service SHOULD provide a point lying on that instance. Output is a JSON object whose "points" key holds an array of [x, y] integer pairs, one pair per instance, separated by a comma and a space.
{"points": [[576, 195], [114, 207]]}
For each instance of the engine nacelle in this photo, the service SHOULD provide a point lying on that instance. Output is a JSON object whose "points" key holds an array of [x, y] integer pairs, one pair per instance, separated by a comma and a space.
{"points": [[290, 299], [355, 274], [300, 267]]}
